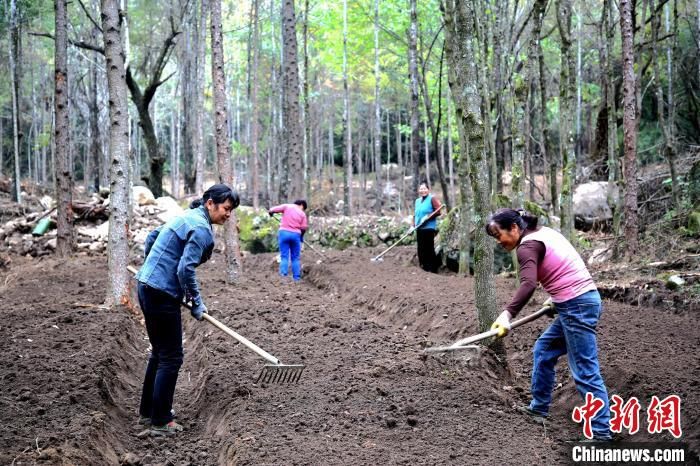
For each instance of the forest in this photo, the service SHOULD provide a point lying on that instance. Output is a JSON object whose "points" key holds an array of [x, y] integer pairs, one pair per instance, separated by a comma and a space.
{"points": [[116, 114]]}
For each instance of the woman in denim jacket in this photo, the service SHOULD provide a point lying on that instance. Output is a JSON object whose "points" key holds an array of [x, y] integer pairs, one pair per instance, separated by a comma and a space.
{"points": [[547, 257], [172, 252]]}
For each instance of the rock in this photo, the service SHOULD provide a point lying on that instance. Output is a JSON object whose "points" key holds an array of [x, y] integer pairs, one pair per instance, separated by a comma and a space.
{"points": [[674, 282], [143, 195], [412, 421], [599, 256], [170, 208], [590, 203]]}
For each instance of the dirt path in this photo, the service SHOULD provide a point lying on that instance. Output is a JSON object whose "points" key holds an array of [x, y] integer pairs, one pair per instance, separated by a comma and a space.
{"points": [[72, 371]]}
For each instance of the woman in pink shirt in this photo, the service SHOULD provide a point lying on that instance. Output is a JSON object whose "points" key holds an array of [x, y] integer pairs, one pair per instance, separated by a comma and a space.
{"points": [[291, 234], [547, 257]]}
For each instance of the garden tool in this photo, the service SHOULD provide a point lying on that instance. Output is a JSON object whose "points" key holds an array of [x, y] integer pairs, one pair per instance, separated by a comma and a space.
{"points": [[378, 258], [467, 343], [276, 372]]}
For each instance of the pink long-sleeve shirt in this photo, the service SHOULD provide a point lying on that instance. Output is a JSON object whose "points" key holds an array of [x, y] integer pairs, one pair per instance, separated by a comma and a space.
{"points": [[547, 257], [293, 217]]}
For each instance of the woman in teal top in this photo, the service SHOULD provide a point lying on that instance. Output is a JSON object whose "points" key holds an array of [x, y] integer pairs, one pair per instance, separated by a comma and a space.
{"points": [[427, 206]]}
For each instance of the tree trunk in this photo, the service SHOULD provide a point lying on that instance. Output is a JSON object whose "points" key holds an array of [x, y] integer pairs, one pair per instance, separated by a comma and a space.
{"points": [[95, 138], [415, 117], [306, 107], [64, 179], [347, 159], [377, 117], [118, 247], [613, 195], [255, 125], [223, 150], [629, 127], [14, 84], [292, 129], [669, 151], [200, 153], [567, 92], [461, 49]]}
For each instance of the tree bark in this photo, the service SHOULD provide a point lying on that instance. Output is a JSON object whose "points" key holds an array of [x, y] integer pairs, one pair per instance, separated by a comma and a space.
{"points": [[567, 93], [377, 116], [613, 195], [668, 150], [255, 125], [223, 150], [117, 247], [198, 145], [14, 84], [64, 178], [629, 127], [461, 49], [95, 138], [292, 129], [415, 117], [347, 159]]}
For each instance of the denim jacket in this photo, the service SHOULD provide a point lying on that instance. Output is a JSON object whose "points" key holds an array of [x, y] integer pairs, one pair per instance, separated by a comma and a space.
{"points": [[172, 252]]}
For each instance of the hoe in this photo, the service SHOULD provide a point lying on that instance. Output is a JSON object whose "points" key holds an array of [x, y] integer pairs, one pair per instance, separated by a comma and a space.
{"points": [[276, 372], [379, 257], [467, 343]]}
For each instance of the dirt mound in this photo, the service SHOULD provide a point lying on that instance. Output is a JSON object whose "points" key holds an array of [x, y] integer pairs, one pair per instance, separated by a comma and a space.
{"points": [[72, 370]]}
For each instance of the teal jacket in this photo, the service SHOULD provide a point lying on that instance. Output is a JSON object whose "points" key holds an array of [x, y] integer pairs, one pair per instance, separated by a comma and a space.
{"points": [[423, 207], [174, 250]]}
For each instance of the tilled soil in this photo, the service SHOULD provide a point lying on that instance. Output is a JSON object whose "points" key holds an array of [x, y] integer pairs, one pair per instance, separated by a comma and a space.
{"points": [[71, 370]]}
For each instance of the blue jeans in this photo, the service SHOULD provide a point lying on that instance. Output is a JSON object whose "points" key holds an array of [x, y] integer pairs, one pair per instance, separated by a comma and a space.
{"points": [[573, 333], [164, 326], [290, 245]]}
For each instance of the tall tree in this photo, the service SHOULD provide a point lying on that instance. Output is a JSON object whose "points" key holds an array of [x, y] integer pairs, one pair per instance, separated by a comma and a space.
{"points": [[64, 177], [199, 83], [567, 94], [607, 39], [290, 110], [461, 50], [95, 138], [117, 247], [629, 126], [255, 124], [223, 148], [142, 100], [413, 73], [14, 84], [347, 152], [669, 149], [377, 115]]}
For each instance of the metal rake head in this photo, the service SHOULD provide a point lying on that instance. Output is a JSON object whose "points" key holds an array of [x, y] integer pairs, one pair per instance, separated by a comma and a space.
{"points": [[280, 373]]}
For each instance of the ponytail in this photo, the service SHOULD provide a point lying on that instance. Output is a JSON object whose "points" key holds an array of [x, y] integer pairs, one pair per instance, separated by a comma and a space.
{"points": [[506, 218], [219, 193]]}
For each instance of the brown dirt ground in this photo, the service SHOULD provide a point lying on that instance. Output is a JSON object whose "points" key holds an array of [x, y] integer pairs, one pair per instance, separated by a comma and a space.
{"points": [[71, 370]]}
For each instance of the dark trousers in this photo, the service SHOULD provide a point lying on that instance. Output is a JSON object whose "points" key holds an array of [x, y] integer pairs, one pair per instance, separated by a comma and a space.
{"points": [[426, 249], [164, 327]]}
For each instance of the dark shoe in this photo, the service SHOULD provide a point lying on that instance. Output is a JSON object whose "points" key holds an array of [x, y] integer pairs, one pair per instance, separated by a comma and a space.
{"points": [[170, 428], [531, 415]]}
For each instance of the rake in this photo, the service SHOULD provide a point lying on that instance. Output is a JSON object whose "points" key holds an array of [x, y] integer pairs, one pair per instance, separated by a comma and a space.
{"points": [[276, 372], [378, 258], [467, 343]]}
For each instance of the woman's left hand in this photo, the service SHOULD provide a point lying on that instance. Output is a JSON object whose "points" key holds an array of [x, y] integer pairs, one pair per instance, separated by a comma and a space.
{"points": [[502, 324]]}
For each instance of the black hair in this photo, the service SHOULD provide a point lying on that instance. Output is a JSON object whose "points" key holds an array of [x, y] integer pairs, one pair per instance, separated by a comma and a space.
{"points": [[302, 202], [219, 193], [505, 218]]}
